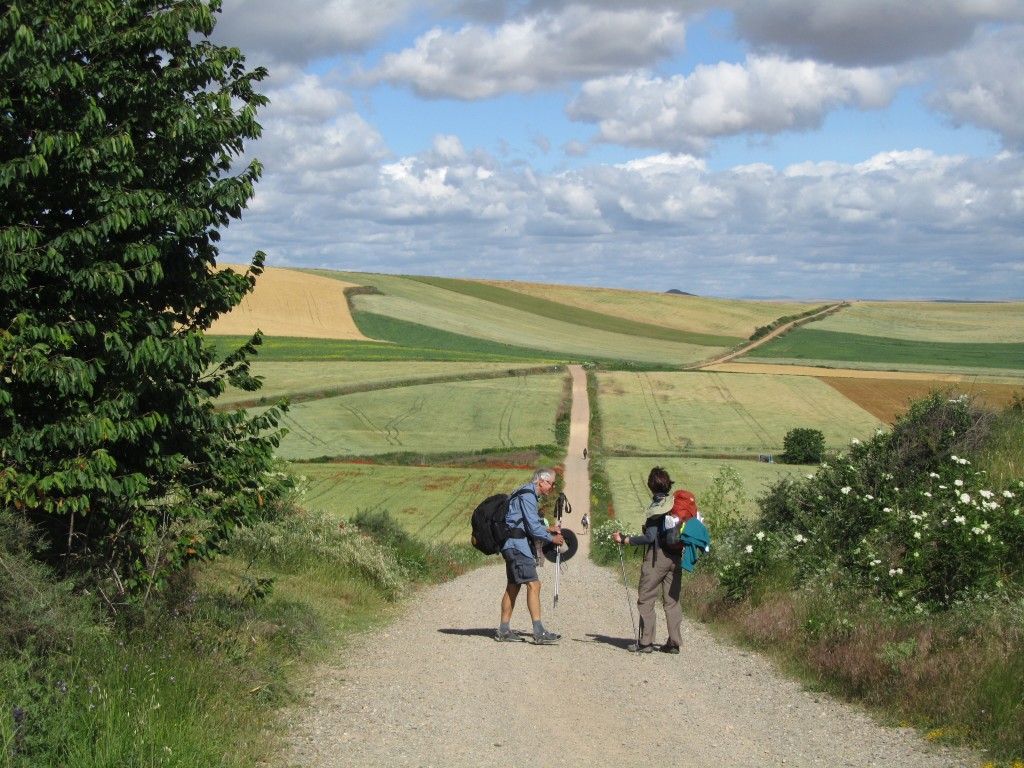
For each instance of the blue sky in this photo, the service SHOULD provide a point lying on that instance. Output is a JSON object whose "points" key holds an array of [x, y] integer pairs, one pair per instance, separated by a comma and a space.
{"points": [[841, 149]]}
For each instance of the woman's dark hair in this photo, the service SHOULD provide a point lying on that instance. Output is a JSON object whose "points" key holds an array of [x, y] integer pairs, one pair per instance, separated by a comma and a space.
{"points": [[659, 481]]}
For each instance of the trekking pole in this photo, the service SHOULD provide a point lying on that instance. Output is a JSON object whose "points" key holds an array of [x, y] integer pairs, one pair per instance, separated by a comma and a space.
{"points": [[560, 508], [629, 603]]}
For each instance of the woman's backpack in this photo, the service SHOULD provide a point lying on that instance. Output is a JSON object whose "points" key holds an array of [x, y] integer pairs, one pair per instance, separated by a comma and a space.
{"points": [[684, 507]]}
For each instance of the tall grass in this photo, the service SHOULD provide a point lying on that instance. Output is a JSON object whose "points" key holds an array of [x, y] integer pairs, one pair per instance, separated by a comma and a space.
{"points": [[198, 679]]}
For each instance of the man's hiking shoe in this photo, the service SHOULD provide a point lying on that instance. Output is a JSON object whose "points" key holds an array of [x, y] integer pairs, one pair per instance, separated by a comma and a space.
{"points": [[546, 638], [508, 637], [637, 648], [669, 648]]}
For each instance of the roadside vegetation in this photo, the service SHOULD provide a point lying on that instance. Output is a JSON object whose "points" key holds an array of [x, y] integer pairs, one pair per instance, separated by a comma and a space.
{"points": [[893, 575]]}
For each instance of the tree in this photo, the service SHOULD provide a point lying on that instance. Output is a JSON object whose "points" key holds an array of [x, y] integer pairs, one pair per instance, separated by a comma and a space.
{"points": [[119, 122], [803, 446]]}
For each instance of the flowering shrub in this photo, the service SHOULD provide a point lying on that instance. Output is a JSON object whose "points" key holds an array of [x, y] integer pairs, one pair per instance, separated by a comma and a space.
{"points": [[903, 517], [603, 549]]}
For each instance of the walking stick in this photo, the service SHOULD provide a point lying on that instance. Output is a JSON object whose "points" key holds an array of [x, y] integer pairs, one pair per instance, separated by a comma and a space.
{"points": [[562, 506], [632, 621]]}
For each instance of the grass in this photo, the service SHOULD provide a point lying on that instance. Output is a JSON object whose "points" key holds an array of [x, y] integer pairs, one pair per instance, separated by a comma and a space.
{"points": [[562, 312], [972, 323], [413, 301], [302, 380], [200, 678], [502, 413], [627, 478], [805, 344], [714, 414], [699, 314], [434, 504]]}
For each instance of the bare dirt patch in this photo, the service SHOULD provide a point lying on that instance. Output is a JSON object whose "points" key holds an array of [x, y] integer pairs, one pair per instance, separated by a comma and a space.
{"points": [[889, 397]]}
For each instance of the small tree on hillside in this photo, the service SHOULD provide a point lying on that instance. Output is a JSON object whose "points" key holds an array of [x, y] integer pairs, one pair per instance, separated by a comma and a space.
{"points": [[803, 446], [119, 121]]}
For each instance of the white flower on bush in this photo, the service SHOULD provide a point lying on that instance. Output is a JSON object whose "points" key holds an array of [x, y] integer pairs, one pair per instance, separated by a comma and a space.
{"points": [[799, 538], [749, 549], [990, 505], [760, 535], [985, 494], [934, 475], [977, 531], [958, 483], [845, 490], [917, 534], [960, 519], [895, 571], [1007, 494], [855, 441], [927, 494], [875, 562], [868, 497], [965, 498]]}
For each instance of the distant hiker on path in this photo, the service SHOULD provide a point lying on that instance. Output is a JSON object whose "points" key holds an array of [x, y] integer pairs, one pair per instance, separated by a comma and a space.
{"points": [[523, 519], [660, 572], [584, 453], [585, 522]]}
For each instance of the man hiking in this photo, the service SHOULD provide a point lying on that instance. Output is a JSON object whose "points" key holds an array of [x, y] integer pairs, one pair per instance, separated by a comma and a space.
{"points": [[524, 520]]}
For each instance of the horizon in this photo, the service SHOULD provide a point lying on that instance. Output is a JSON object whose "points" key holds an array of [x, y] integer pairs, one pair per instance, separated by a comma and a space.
{"points": [[771, 150]]}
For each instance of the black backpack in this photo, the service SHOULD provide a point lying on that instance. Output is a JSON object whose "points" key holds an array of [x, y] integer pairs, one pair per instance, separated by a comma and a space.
{"points": [[489, 529]]}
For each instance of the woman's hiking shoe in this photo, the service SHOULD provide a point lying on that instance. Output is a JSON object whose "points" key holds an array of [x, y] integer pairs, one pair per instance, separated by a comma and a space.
{"points": [[669, 648], [508, 637], [546, 638], [637, 648]]}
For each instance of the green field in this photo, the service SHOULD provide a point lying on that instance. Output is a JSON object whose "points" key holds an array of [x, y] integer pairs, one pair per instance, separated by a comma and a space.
{"points": [[434, 503], [964, 323], [809, 343], [698, 314], [512, 412], [628, 480], [553, 310], [413, 301], [303, 379], [721, 413]]}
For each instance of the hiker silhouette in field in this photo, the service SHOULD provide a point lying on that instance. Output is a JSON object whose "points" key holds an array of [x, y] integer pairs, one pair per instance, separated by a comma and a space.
{"points": [[524, 520], [661, 570]]}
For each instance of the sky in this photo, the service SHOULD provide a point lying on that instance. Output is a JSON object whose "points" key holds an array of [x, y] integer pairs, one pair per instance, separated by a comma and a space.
{"points": [[752, 149]]}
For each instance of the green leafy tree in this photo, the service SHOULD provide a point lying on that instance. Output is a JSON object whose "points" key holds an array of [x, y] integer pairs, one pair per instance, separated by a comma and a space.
{"points": [[119, 124], [803, 446]]}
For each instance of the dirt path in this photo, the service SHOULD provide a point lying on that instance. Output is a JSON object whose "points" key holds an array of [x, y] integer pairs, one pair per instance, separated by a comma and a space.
{"points": [[434, 689]]}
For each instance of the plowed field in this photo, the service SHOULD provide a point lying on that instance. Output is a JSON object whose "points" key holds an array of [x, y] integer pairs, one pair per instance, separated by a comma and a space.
{"points": [[887, 398]]}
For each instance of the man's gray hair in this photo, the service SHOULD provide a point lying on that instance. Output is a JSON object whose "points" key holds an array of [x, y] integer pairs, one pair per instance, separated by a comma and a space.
{"points": [[545, 474]]}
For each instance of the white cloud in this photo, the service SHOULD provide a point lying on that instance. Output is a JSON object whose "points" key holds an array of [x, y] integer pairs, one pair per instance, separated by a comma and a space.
{"points": [[983, 85], [534, 53], [766, 95]]}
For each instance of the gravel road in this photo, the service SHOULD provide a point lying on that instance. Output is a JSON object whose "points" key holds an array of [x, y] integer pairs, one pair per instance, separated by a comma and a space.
{"points": [[435, 689]]}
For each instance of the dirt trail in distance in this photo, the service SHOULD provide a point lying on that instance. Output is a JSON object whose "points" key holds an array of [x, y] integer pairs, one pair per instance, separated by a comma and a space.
{"points": [[435, 689]]}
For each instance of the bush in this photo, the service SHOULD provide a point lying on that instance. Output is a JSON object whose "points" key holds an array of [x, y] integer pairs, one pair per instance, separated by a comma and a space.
{"points": [[803, 446], [902, 517]]}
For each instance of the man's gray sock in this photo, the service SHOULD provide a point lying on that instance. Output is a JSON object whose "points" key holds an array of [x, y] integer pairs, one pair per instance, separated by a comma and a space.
{"points": [[538, 628]]}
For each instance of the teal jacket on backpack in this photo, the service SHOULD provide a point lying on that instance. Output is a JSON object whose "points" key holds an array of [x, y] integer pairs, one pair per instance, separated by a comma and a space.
{"points": [[697, 540]]}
